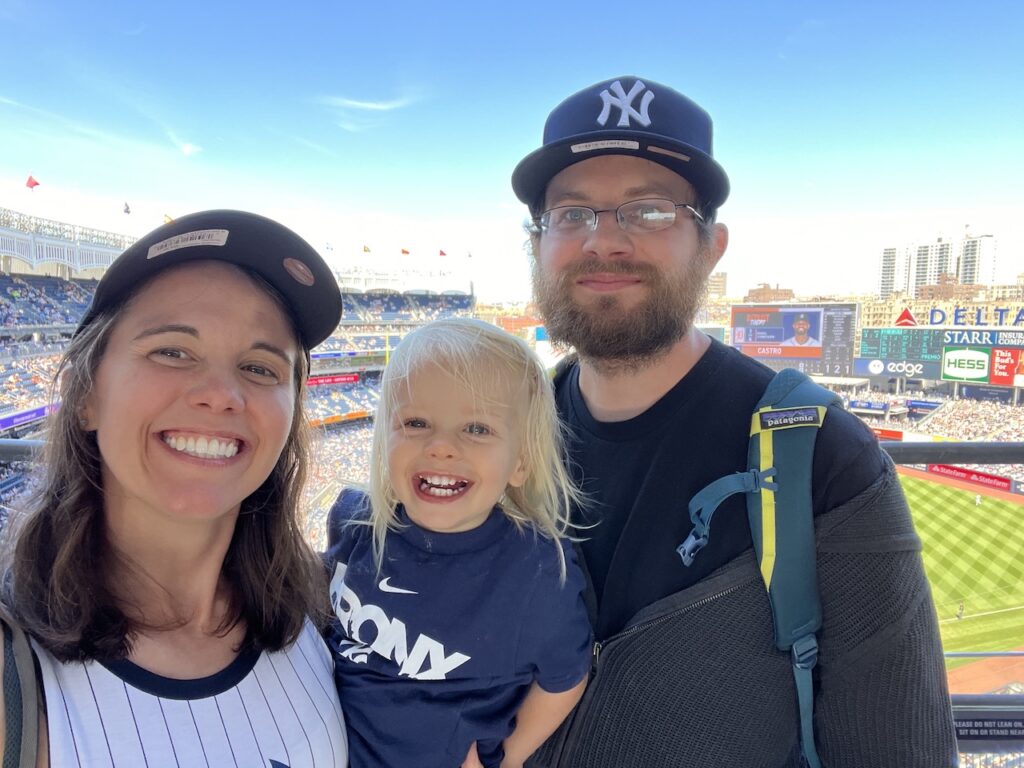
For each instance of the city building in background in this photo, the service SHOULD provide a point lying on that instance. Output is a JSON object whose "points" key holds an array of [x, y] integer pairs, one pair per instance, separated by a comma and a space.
{"points": [[970, 260], [765, 294]]}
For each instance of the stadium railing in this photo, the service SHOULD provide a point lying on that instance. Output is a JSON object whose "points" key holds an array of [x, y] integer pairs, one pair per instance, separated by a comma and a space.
{"points": [[987, 724]]}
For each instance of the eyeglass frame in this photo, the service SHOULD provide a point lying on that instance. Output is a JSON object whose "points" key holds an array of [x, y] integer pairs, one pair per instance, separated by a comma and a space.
{"points": [[537, 227]]}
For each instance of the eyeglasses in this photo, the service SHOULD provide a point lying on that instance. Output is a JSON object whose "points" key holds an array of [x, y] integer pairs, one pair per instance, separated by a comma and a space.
{"points": [[635, 217]]}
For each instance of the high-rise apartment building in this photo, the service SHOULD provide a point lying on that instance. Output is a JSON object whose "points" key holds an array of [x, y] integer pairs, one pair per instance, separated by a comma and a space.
{"points": [[905, 269], [977, 262]]}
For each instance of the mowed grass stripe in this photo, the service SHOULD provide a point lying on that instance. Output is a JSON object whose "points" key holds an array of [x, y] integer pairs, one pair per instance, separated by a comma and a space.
{"points": [[972, 554]]}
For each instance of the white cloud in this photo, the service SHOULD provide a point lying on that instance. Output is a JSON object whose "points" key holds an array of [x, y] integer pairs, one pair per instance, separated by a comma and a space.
{"points": [[355, 115], [365, 106]]}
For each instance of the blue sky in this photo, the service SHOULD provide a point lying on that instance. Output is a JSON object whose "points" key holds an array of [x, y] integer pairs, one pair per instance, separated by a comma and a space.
{"points": [[843, 127]]}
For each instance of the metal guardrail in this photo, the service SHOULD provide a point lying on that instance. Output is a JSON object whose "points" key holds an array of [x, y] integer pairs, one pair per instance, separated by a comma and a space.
{"points": [[901, 453], [19, 450], [955, 453]]}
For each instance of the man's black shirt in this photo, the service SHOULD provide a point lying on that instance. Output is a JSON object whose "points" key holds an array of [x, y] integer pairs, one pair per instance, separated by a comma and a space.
{"points": [[640, 475]]}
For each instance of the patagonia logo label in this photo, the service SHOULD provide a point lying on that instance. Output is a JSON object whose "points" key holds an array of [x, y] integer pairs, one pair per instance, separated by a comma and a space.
{"points": [[790, 417]]}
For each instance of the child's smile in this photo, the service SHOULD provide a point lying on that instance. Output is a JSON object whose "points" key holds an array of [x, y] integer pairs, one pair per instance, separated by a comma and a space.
{"points": [[442, 487]]}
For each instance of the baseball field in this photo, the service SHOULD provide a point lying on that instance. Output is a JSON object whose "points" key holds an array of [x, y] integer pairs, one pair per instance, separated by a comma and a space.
{"points": [[974, 556]]}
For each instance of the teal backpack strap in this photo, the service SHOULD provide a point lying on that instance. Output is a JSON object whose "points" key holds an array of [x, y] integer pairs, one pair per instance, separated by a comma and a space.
{"points": [[21, 704], [704, 505], [777, 485], [783, 431]]}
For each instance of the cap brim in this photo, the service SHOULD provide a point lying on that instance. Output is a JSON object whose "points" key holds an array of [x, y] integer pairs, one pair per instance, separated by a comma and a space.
{"points": [[269, 249], [535, 171]]}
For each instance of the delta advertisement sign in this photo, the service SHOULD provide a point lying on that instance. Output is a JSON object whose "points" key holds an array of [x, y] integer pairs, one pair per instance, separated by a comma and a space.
{"points": [[998, 316], [865, 366], [984, 365]]}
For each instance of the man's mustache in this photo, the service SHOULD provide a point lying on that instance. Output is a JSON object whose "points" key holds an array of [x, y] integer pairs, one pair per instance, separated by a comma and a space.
{"points": [[605, 266]]}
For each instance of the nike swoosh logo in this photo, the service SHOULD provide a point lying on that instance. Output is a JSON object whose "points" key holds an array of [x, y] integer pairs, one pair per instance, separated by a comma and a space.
{"points": [[385, 587]]}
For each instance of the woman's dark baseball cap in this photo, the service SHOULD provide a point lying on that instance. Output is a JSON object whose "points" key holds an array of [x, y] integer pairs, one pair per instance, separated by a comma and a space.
{"points": [[271, 250], [625, 116]]}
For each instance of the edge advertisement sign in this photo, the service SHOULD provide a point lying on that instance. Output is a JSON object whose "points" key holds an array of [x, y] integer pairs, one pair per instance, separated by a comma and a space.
{"points": [[866, 366]]}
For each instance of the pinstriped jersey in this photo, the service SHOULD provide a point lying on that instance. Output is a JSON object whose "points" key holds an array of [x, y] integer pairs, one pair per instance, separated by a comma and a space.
{"points": [[274, 710]]}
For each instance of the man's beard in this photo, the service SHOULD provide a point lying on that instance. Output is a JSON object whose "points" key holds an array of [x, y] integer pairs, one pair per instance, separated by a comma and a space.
{"points": [[612, 336]]}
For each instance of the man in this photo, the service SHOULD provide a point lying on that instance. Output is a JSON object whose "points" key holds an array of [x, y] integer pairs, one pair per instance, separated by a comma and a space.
{"points": [[801, 333], [624, 193]]}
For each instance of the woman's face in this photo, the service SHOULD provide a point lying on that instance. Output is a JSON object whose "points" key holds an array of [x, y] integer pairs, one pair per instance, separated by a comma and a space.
{"points": [[194, 396]]}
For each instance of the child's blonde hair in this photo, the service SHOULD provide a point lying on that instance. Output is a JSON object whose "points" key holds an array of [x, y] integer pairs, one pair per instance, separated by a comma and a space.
{"points": [[484, 359]]}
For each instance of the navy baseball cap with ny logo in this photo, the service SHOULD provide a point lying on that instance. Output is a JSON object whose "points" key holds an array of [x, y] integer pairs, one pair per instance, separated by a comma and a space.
{"points": [[626, 116]]}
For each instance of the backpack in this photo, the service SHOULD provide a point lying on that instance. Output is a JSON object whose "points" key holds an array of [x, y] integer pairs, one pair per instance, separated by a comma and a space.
{"points": [[784, 427], [21, 699]]}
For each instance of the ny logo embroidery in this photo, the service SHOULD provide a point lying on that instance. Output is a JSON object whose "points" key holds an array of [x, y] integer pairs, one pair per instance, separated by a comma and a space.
{"points": [[624, 101]]}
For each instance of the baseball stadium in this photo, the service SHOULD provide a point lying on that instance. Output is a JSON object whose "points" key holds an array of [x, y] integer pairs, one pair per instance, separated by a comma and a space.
{"points": [[967, 512]]}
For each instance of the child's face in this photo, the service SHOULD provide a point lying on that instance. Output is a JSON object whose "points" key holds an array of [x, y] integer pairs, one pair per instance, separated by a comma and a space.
{"points": [[451, 455]]}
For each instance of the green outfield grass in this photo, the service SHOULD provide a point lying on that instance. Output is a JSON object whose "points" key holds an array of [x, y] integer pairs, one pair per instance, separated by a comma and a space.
{"points": [[972, 554]]}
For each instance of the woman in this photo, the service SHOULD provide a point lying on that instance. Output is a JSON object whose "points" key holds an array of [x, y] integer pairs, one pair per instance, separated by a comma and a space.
{"points": [[160, 568]]}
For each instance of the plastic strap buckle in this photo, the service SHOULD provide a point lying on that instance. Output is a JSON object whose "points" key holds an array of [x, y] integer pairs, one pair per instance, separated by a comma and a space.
{"points": [[688, 549], [763, 479], [805, 652]]}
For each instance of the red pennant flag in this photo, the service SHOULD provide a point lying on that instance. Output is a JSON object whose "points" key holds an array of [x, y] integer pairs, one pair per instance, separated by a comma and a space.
{"points": [[31, 183], [405, 252], [366, 249], [441, 253]]}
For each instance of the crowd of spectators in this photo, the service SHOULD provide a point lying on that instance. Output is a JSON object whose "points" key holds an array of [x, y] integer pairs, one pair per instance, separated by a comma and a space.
{"points": [[13, 479], [46, 300], [25, 383], [326, 400], [975, 420], [405, 307], [35, 300], [1010, 760], [345, 339], [15, 350], [341, 457]]}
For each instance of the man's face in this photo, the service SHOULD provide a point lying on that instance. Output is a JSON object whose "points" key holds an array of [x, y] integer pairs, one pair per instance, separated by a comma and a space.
{"points": [[613, 295], [801, 327]]}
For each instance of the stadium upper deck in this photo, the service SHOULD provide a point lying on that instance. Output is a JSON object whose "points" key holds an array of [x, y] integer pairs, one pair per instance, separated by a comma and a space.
{"points": [[29, 303]]}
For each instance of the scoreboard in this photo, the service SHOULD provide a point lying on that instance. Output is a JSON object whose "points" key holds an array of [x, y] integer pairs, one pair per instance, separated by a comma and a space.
{"points": [[813, 338], [914, 345], [925, 345]]}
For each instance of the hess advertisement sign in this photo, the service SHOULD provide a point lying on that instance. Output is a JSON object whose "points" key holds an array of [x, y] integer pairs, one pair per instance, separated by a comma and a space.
{"points": [[965, 364], [984, 365]]}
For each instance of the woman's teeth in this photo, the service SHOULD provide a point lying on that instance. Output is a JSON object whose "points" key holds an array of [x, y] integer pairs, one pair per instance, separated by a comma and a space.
{"points": [[203, 447]]}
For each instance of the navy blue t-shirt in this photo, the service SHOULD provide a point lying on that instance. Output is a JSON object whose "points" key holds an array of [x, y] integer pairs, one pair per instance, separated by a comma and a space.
{"points": [[437, 649]]}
